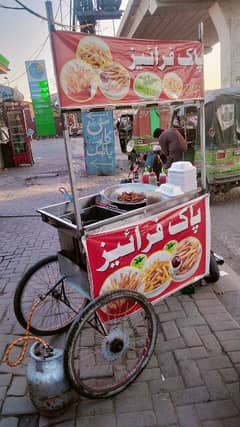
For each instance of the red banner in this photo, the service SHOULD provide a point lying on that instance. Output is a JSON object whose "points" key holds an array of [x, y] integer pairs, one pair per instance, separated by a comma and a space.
{"points": [[99, 71], [156, 257]]}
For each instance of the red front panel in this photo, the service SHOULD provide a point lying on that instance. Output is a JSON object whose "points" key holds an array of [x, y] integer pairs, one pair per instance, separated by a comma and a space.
{"points": [[157, 256]]}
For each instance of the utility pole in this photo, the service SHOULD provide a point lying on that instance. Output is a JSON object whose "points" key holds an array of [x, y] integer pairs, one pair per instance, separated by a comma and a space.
{"points": [[88, 12]]}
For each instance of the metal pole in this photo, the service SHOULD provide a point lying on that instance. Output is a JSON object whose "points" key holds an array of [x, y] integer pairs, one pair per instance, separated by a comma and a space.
{"points": [[71, 172], [203, 145], [49, 10], [70, 15], [200, 32], [61, 14], [74, 16], [202, 122], [51, 27], [114, 32]]}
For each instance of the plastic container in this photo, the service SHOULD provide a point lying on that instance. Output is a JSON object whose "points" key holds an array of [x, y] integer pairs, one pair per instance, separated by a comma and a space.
{"points": [[184, 175], [162, 178], [145, 177], [168, 191]]}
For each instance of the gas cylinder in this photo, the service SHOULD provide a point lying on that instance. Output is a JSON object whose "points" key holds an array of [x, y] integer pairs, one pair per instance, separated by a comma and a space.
{"points": [[48, 387]]}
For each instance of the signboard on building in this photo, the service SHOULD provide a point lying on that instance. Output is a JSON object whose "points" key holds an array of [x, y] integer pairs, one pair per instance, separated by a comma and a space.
{"points": [[99, 142], [6, 93], [10, 94], [39, 90]]}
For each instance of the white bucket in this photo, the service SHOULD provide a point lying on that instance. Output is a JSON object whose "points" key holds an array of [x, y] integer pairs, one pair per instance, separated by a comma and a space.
{"points": [[183, 174]]}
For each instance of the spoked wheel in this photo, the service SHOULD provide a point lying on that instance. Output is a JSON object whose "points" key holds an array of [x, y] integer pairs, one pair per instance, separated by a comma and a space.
{"points": [[102, 359], [59, 303]]}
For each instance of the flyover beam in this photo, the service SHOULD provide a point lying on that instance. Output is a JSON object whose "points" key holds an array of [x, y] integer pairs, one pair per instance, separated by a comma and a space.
{"points": [[179, 20]]}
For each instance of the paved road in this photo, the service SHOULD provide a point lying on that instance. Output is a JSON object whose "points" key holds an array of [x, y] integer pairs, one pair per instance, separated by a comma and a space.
{"points": [[225, 227], [193, 378]]}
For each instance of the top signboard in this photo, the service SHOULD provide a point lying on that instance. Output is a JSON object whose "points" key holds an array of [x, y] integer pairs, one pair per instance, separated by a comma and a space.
{"points": [[95, 71]]}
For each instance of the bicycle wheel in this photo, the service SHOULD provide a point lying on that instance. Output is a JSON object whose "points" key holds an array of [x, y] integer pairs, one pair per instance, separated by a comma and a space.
{"points": [[59, 302], [101, 360]]}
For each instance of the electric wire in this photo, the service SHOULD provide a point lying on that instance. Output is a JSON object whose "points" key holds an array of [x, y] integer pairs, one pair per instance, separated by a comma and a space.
{"points": [[38, 51], [20, 216], [31, 10], [33, 58], [45, 18], [10, 7], [24, 7]]}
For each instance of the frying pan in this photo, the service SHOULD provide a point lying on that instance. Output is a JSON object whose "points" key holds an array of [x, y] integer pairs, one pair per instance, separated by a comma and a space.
{"points": [[111, 194]]}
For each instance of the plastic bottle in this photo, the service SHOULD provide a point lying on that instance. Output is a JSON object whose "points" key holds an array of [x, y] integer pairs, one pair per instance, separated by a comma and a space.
{"points": [[145, 176], [162, 178], [152, 178]]}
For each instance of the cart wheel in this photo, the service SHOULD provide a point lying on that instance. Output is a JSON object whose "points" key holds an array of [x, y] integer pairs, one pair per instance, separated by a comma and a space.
{"points": [[214, 273], [102, 359], [59, 302]]}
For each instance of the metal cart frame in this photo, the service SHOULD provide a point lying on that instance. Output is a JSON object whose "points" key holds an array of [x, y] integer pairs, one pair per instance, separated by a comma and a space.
{"points": [[75, 222]]}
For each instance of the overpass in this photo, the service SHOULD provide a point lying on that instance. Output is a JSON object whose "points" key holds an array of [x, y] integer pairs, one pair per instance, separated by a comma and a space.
{"points": [[179, 19]]}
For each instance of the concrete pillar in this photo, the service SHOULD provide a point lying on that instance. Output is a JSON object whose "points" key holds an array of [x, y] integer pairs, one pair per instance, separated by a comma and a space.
{"points": [[225, 15], [142, 7]]}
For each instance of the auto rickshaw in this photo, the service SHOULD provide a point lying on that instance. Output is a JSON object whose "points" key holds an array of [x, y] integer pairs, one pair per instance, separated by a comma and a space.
{"points": [[222, 133]]}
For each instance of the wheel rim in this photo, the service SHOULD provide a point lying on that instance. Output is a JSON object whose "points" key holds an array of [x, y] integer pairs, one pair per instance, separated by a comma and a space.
{"points": [[101, 365], [59, 308]]}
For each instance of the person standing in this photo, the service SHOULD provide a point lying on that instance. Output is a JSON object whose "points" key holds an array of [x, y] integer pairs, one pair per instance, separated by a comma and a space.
{"points": [[157, 161], [173, 145], [155, 151]]}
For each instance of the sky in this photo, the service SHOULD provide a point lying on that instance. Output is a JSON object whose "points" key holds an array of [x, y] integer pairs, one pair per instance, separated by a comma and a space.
{"points": [[24, 37]]}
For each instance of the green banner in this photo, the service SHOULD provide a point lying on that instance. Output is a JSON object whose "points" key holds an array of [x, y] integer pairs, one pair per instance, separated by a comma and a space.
{"points": [[4, 61], [42, 106], [154, 119]]}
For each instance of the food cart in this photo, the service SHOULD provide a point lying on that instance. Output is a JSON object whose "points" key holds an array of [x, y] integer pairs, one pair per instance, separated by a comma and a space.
{"points": [[119, 254]]}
